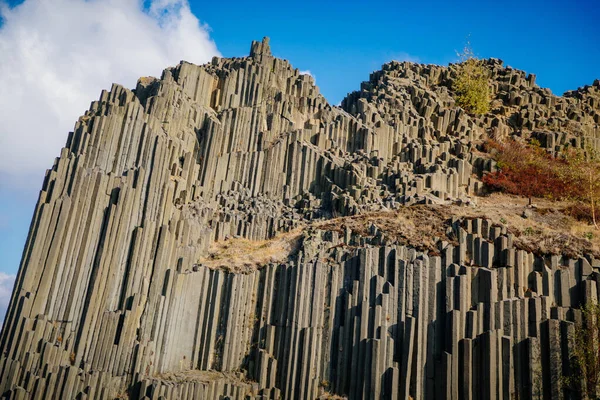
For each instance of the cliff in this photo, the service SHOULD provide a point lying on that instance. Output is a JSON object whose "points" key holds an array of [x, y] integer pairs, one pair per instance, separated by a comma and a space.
{"points": [[223, 232]]}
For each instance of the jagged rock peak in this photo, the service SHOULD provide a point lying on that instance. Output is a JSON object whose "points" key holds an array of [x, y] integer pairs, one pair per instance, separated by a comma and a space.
{"points": [[259, 49]]}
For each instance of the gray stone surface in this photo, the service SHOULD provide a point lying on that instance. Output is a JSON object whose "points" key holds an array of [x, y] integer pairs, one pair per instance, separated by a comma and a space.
{"points": [[112, 298]]}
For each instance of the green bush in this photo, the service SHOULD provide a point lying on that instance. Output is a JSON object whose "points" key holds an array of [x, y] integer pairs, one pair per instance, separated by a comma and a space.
{"points": [[471, 86]]}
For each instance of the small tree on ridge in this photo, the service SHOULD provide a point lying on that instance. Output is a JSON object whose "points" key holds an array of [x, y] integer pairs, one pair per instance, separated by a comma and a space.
{"points": [[471, 83]]}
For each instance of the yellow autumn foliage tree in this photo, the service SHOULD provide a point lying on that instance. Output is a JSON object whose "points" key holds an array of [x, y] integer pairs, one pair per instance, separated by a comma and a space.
{"points": [[584, 171], [471, 86]]}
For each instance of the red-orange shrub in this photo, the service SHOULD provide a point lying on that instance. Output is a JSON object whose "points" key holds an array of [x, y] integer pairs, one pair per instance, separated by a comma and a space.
{"points": [[527, 170]]}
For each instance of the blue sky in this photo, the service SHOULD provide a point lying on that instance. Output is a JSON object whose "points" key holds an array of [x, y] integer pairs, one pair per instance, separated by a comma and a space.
{"points": [[340, 43]]}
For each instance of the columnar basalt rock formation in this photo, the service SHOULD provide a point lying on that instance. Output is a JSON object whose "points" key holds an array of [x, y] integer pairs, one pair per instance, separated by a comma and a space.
{"points": [[120, 294]]}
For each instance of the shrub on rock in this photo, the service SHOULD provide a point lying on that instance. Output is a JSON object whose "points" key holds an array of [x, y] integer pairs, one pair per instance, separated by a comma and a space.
{"points": [[471, 84]]}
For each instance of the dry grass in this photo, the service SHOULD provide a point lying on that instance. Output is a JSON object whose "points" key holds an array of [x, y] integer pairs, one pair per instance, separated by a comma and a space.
{"points": [[551, 227], [146, 80], [241, 255], [419, 226], [205, 377], [331, 396]]}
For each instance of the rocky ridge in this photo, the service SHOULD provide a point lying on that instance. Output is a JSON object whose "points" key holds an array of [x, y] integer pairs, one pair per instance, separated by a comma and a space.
{"points": [[115, 295]]}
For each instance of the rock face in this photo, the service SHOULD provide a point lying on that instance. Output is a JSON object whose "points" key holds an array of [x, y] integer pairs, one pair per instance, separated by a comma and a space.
{"points": [[118, 293]]}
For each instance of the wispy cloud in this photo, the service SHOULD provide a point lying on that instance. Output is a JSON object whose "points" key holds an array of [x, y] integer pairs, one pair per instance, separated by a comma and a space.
{"points": [[57, 55], [307, 72], [6, 284], [402, 56]]}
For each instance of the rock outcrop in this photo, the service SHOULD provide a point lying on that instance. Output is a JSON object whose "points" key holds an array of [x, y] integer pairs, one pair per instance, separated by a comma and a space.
{"points": [[119, 294]]}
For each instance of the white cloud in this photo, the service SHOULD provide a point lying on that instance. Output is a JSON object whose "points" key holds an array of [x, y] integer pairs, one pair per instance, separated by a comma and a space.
{"points": [[6, 285], [57, 55], [307, 72]]}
